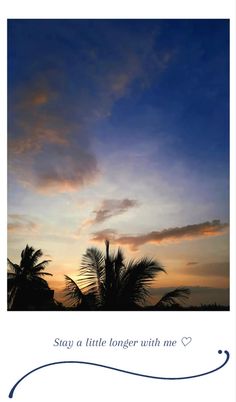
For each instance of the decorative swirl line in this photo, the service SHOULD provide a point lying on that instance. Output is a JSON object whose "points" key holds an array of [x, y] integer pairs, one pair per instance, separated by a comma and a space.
{"points": [[120, 370]]}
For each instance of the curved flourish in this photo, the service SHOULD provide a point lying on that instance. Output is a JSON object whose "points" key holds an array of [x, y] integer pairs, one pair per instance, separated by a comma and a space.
{"points": [[121, 370]]}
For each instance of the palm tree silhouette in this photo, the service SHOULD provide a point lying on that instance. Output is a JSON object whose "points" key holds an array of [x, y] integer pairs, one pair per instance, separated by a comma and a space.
{"points": [[105, 282], [27, 290]]}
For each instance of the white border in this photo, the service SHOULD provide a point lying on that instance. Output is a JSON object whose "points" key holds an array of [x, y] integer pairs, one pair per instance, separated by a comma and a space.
{"points": [[118, 9], [204, 326]]}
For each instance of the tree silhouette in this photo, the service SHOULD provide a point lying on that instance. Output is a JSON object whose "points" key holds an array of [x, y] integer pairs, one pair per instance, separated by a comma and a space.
{"points": [[106, 282], [27, 290]]}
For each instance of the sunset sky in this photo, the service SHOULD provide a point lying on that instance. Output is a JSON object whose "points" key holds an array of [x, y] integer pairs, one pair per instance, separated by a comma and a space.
{"points": [[119, 129]]}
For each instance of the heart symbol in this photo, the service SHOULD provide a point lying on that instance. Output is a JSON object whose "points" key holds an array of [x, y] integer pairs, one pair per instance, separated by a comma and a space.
{"points": [[186, 340]]}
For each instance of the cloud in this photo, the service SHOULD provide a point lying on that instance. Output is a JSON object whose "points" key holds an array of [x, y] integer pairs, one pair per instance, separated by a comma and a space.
{"points": [[37, 135], [192, 263], [47, 152], [64, 172], [170, 235], [106, 234], [110, 208], [70, 86], [21, 224]]}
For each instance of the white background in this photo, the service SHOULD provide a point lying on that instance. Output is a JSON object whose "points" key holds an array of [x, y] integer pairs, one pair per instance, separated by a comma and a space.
{"points": [[26, 339]]}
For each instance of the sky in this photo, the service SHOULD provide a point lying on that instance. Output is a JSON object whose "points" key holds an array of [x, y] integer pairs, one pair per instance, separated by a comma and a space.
{"points": [[119, 130]]}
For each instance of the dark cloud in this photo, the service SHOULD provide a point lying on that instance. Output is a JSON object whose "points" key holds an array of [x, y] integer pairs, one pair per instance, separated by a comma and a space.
{"points": [[192, 263], [21, 224], [189, 232]]}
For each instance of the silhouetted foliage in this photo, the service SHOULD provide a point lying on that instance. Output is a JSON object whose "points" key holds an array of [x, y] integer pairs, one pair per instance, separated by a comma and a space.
{"points": [[27, 290], [169, 299], [106, 282]]}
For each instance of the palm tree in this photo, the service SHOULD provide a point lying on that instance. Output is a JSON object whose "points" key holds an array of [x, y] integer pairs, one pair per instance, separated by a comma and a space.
{"points": [[27, 290], [105, 282]]}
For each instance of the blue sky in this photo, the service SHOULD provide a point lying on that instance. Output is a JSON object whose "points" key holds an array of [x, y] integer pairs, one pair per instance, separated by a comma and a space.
{"points": [[120, 129]]}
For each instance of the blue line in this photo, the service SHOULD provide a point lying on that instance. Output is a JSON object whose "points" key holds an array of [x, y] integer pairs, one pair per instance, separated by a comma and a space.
{"points": [[120, 370]]}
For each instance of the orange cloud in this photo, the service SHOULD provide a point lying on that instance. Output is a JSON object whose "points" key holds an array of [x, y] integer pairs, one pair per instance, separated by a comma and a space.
{"points": [[58, 173], [32, 126], [189, 232], [39, 137], [48, 152]]}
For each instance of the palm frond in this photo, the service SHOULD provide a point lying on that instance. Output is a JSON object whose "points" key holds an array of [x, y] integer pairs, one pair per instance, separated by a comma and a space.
{"points": [[27, 252], [92, 272], [118, 269], [41, 266], [119, 264], [11, 294], [93, 259], [137, 279], [14, 267], [172, 297], [26, 258], [36, 255], [109, 270], [73, 292]]}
